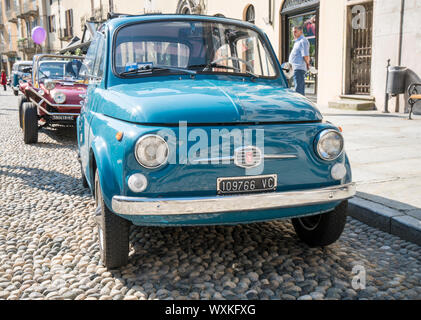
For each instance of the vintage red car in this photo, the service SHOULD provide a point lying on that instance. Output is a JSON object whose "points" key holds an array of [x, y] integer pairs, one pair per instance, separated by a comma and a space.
{"points": [[54, 94]]}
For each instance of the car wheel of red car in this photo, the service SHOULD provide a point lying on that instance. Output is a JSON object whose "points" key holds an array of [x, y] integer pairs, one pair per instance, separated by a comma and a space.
{"points": [[323, 229], [21, 101], [29, 123], [113, 232]]}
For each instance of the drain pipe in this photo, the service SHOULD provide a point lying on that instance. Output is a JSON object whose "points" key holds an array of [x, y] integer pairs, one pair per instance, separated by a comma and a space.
{"points": [[386, 99], [397, 107]]}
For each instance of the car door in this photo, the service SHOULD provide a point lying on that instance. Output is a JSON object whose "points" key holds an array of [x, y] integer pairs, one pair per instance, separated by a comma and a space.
{"points": [[93, 67]]}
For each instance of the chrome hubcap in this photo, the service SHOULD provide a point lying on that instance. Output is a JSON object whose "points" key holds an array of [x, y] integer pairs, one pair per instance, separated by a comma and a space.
{"points": [[310, 223], [101, 238]]}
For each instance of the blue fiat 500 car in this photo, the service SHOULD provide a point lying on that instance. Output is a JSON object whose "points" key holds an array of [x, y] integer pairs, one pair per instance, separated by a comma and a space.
{"points": [[188, 120]]}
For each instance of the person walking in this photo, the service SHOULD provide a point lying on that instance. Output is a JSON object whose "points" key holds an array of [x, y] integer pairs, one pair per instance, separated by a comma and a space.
{"points": [[3, 79], [300, 59]]}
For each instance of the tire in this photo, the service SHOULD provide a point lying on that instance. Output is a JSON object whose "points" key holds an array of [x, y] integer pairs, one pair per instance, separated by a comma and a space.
{"points": [[15, 92], [29, 123], [113, 232], [21, 101], [323, 229]]}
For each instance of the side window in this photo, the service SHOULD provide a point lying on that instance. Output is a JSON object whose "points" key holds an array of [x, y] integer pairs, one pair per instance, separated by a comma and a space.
{"points": [[89, 61], [100, 54]]}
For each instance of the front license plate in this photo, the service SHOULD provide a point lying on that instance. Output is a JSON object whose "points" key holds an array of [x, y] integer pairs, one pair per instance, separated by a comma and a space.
{"points": [[246, 184]]}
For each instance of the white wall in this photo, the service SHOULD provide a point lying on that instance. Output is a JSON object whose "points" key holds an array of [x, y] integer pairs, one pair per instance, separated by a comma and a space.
{"points": [[386, 44], [332, 22]]}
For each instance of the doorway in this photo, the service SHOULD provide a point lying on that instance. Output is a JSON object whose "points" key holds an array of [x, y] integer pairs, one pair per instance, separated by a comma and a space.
{"points": [[305, 14], [359, 49]]}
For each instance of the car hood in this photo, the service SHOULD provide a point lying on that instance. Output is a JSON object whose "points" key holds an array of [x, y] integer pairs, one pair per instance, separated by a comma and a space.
{"points": [[206, 101]]}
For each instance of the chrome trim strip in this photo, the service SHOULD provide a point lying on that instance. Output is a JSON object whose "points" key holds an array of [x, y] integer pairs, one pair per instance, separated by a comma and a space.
{"points": [[223, 204], [214, 160], [280, 156], [53, 113], [54, 105], [231, 158]]}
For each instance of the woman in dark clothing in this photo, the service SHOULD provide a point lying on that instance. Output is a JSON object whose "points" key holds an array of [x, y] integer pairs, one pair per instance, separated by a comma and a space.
{"points": [[3, 79]]}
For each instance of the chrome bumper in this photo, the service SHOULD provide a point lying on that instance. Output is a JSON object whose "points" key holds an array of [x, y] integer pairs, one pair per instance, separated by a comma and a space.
{"points": [[202, 205]]}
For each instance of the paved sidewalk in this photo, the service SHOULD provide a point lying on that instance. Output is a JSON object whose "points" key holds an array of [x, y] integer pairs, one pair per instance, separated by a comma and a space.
{"points": [[385, 154]]}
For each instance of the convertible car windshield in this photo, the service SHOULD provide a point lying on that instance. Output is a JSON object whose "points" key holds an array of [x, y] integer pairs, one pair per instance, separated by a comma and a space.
{"points": [[60, 69], [51, 69], [203, 47]]}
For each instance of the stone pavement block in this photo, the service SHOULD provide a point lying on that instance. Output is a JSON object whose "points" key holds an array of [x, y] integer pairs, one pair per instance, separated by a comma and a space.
{"points": [[416, 213], [372, 214], [407, 228], [400, 206]]}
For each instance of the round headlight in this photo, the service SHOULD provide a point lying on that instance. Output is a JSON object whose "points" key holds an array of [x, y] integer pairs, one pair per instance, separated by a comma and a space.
{"points": [[59, 97], [330, 144], [151, 151], [49, 84]]}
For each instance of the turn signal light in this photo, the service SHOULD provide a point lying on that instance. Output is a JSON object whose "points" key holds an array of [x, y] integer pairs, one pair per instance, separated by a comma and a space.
{"points": [[119, 136]]}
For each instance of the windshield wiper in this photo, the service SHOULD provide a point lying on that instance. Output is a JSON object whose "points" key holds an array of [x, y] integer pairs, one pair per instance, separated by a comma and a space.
{"points": [[221, 66], [156, 68]]}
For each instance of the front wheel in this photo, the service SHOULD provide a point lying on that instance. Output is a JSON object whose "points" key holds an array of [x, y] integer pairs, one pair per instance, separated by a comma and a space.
{"points": [[16, 92], [21, 101], [322, 229], [29, 123], [113, 232]]}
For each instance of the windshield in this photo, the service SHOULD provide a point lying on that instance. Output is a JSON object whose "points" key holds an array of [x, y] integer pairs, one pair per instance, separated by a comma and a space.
{"points": [[60, 70], [204, 47]]}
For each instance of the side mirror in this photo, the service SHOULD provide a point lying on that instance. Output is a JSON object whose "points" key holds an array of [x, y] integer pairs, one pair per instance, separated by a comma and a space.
{"points": [[288, 70]]}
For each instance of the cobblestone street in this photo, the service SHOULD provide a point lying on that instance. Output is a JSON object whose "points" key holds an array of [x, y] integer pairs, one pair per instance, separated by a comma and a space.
{"points": [[49, 247]]}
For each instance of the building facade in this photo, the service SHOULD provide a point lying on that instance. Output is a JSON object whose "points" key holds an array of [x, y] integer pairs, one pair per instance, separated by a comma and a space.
{"points": [[350, 40]]}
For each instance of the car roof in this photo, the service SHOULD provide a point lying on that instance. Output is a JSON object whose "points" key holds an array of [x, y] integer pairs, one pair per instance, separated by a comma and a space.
{"points": [[128, 19], [52, 61]]}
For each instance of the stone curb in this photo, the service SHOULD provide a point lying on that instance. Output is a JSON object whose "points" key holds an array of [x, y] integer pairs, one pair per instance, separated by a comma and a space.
{"points": [[384, 218]]}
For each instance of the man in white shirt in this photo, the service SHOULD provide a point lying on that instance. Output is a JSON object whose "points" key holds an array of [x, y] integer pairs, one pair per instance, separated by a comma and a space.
{"points": [[300, 59]]}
